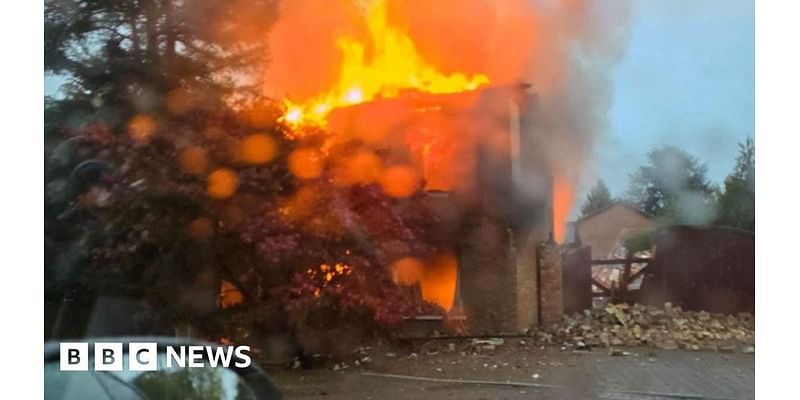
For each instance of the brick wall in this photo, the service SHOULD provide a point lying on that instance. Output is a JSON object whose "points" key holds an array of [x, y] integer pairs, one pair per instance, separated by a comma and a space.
{"points": [[499, 279], [524, 248], [486, 279], [550, 284]]}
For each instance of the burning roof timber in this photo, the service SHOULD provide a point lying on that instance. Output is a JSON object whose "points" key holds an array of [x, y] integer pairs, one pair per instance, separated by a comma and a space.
{"points": [[480, 145]]}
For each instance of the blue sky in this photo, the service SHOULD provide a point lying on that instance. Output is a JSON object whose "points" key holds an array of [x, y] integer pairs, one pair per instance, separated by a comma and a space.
{"points": [[51, 85], [687, 79]]}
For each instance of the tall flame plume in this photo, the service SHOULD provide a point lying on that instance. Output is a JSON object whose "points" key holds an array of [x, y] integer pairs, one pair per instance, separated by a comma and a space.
{"points": [[393, 65]]}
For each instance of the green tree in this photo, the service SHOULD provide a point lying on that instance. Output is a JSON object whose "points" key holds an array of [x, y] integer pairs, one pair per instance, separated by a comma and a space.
{"points": [[737, 202], [673, 185], [598, 199], [123, 57]]}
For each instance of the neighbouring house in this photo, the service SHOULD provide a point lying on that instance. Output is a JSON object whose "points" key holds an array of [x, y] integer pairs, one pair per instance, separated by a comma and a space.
{"points": [[606, 230], [603, 234]]}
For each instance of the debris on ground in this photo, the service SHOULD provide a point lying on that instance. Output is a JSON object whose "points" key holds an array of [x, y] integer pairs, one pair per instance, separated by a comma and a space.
{"points": [[614, 328], [486, 345], [665, 328]]}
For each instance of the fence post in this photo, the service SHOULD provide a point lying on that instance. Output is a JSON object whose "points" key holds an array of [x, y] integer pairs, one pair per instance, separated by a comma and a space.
{"points": [[626, 274]]}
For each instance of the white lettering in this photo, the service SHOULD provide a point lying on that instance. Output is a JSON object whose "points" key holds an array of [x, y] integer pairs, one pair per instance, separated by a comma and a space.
{"points": [[180, 359], [217, 354], [241, 355], [196, 357]]}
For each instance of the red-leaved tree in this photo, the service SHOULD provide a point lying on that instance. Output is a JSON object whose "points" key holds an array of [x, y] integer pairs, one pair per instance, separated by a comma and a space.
{"points": [[207, 195]]}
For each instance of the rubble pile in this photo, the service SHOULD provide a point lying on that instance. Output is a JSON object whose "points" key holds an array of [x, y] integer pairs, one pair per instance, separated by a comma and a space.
{"points": [[613, 327], [665, 328]]}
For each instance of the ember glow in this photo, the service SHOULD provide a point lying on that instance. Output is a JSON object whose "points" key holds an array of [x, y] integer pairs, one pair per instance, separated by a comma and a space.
{"points": [[391, 65], [326, 273]]}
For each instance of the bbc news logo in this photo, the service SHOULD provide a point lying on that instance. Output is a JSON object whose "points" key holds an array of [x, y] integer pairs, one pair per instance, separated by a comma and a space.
{"points": [[109, 356]]}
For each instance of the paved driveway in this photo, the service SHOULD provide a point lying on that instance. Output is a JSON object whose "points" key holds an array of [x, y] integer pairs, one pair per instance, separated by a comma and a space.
{"points": [[537, 373]]}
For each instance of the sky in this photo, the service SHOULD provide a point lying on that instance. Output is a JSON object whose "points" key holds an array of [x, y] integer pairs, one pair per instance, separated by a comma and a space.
{"points": [[687, 79], [51, 84]]}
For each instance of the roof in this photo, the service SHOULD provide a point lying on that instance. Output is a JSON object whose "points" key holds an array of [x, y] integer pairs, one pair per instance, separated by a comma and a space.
{"points": [[626, 204], [571, 228]]}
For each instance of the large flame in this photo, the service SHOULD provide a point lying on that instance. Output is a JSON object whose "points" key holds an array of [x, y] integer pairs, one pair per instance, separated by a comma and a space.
{"points": [[563, 194], [386, 65], [328, 55]]}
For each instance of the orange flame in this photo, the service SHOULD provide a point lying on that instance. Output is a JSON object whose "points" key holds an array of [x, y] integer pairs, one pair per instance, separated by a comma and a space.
{"points": [[393, 65], [436, 278], [438, 283], [562, 205]]}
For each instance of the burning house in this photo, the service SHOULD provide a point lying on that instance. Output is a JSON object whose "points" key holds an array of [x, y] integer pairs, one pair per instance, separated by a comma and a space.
{"points": [[476, 154], [480, 145]]}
